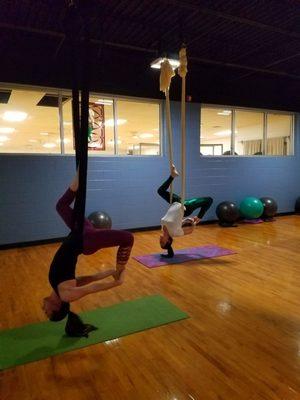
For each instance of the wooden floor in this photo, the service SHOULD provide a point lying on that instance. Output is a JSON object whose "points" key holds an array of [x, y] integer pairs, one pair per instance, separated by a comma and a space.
{"points": [[242, 340]]}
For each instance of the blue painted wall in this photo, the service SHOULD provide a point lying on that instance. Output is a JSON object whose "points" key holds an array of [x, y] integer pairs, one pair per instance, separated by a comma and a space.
{"points": [[125, 187]]}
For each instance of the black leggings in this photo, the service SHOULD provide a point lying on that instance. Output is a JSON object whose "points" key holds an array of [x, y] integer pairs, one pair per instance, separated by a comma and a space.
{"points": [[191, 205]]}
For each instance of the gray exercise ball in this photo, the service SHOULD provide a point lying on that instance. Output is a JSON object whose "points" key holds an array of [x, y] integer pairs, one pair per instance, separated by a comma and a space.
{"points": [[100, 220]]}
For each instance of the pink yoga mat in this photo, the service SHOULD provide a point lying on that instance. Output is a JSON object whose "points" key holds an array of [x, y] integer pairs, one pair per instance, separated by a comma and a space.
{"points": [[190, 254]]}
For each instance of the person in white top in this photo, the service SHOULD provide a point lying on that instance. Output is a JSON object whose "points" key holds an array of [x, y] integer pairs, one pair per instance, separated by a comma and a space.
{"points": [[174, 224]]}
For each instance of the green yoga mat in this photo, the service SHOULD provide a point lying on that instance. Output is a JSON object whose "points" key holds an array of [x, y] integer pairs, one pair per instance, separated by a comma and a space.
{"points": [[37, 341]]}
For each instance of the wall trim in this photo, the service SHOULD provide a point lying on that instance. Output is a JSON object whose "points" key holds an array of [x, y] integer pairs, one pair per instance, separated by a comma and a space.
{"points": [[142, 229]]}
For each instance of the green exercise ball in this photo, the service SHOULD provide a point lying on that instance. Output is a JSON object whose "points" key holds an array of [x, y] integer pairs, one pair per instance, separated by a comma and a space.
{"points": [[251, 208]]}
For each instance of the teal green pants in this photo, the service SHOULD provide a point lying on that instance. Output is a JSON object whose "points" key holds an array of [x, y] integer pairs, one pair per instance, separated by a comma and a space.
{"points": [[203, 203]]}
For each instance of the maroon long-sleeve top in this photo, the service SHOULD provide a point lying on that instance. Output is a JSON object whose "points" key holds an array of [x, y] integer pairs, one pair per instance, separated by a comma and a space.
{"points": [[93, 239]]}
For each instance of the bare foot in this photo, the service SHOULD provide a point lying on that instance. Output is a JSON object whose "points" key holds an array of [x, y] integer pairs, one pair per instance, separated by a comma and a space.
{"points": [[174, 171]]}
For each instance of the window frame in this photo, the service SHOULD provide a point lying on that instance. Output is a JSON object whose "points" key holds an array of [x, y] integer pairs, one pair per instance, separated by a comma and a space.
{"points": [[213, 145], [68, 92], [160, 125], [265, 112]]}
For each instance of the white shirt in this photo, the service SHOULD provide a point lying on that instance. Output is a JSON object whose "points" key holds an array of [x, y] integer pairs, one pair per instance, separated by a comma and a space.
{"points": [[173, 220]]}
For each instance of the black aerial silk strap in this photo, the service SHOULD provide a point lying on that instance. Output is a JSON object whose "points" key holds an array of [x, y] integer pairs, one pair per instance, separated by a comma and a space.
{"points": [[82, 149], [76, 118], [80, 73]]}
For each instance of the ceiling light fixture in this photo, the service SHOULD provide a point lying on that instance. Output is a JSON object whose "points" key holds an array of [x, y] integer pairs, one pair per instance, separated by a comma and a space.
{"points": [[33, 141], [44, 133], [111, 122], [4, 138], [224, 112], [49, 145], [4, 129], [66, 141], [105, 102], [111, 141], [15, 116], [146, 135], [156, 64], [227, 132]]}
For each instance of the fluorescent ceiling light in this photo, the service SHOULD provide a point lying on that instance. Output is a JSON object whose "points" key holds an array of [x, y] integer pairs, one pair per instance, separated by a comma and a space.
{"points": [[224, 112], [67, 123], [49, 145], [4, 129], [14, 116], [4, 138], [33, 141], [157, 63], [44, 133], [111, 141], [135, 137], [227, 132], [146, 135], [65, 141], [110, 122], [105, 102]]}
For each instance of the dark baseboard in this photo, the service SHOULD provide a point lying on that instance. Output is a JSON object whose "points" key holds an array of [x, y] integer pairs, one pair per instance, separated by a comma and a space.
{"points": [[28, 244], [286, 213], [143, 229]]}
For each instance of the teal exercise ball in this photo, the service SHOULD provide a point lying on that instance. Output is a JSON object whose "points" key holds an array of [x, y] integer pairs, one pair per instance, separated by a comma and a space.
{"points": [[251, 208]]}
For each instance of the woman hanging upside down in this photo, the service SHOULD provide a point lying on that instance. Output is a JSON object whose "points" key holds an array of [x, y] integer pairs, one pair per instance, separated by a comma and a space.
{"points": [[68, 288], [173, 223]]}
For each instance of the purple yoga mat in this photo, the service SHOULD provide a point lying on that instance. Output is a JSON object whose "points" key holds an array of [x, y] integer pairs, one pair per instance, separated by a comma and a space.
{"points": [[253, 221], [190, 254]]}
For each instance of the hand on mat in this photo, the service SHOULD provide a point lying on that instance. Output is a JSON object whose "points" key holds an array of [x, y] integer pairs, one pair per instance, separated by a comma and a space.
{"points": [[196, 220], [82, 332], [76, 328], [166, 256], [89, 328]]}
